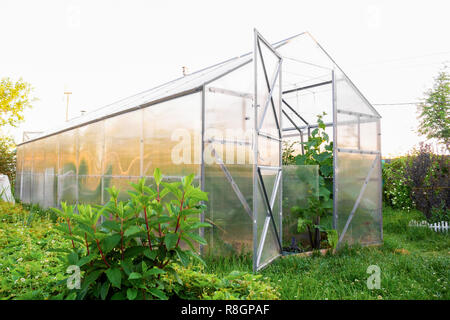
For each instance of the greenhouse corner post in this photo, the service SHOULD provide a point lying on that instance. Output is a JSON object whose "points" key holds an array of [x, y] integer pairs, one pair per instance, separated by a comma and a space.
{"points": [[280, 159], [380, 175], [335, 158], [202, 163], [255, 149]]}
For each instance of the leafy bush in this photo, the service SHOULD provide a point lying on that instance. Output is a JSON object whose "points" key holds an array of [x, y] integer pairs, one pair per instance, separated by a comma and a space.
{"points": [[8, 159], [27, 269], [125, 256], [194, 283], [427, 174], [396, 192]]}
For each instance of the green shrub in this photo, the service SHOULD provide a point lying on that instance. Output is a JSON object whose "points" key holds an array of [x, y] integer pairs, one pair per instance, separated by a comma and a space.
{"points": [[396, 192], [194, 283], [8, 159], [139, 241]]}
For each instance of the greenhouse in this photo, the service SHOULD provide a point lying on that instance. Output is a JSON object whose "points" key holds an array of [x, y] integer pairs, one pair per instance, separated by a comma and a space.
{"points": [[232, 125]]}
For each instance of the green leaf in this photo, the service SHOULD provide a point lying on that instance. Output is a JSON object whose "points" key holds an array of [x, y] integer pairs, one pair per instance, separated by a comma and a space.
{"points": [[115, 276], [184, 258], [72, 258], [134, 276], [196, 237], [187, 180], [158, 293], [86, 259], [158, 176], [104, 290], [132, 231], [111, 225], [150, 254], [110, 242], [153, 271], [170, 240], [132, 293]]}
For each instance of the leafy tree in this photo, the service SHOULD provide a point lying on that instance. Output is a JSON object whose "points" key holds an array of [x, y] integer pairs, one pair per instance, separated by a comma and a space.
{"points": [[15, 97], [434, 110], [8, 158]]}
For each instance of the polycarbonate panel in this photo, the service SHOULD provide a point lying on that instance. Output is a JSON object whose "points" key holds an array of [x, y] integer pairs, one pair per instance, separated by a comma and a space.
{"points": [[227, 116], [122, 144], [90, 148], [354, 169], [358, 175], [268, 115], [37, 188], [67, 153], [67, 188], [172, 136], [299, 184], [232, 231], [268, 152], [270, 248], [348, 98], [89, 189], [38, 148], [26, 187], [50, 188], [50, 146]]}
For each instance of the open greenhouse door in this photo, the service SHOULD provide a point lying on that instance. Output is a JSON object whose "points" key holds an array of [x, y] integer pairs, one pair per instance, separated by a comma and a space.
{"points": [[357, 169], [267, 153]]}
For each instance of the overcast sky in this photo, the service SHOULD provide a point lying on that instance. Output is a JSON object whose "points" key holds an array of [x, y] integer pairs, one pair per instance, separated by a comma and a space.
{"points": [[106, 50]]}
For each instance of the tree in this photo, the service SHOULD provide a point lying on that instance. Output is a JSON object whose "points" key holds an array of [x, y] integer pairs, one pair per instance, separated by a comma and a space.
{"points": [[15, 97], [8, 158], [434, 119]]}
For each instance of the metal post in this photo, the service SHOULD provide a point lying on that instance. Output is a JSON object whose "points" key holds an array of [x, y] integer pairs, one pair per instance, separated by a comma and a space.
{"points": [[202, 163], [335, 153], [255, 150]]}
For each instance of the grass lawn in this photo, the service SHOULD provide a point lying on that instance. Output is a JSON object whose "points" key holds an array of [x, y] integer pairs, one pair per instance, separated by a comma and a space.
{"points": [[414, 263]]}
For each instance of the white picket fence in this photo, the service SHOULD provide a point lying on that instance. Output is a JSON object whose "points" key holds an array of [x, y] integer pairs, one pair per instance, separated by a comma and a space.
{"points": [[437, 226]]}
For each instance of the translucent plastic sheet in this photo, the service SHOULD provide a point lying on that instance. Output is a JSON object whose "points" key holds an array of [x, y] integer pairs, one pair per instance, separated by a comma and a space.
{"points": [[299, 183], [91, 148], [122, 144], [365, 226], [358, 212], [172, 136], [266, 238], [232, 231]]}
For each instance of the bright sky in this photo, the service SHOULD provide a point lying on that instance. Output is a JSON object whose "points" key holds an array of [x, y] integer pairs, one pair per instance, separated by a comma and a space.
{"points": [[106, 50]]}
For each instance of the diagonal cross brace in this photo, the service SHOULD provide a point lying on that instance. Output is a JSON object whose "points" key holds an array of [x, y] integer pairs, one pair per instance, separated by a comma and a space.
{"points": [[358, 200], [270, 89], [269, 209], [268, 218], [233, 184]]}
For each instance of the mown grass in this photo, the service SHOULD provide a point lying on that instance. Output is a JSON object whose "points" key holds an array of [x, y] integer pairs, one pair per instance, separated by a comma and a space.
{"points": [[414, 264]]}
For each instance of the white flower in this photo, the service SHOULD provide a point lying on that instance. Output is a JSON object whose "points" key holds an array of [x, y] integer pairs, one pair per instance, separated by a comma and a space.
{"points": [[20, 259], [22, 279]]}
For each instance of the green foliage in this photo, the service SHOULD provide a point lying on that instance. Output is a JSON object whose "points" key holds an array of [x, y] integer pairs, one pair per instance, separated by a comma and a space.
{"points": [[8, 159], [28, 270], [396, 192], [15, 97], [193, 283], [318, 151], [434, 110], [140, 240]]}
